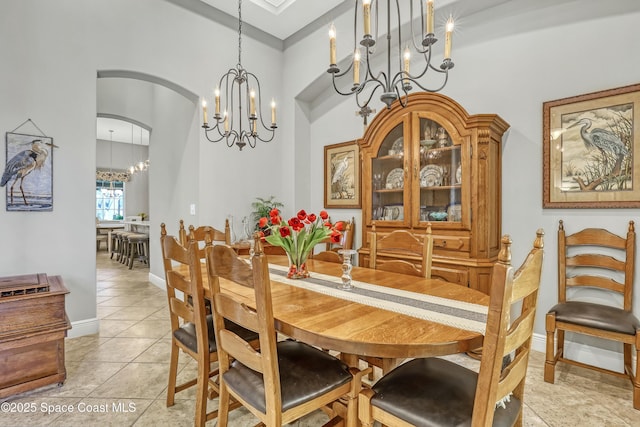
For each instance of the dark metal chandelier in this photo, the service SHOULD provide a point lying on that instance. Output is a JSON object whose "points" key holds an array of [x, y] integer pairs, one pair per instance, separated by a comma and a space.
{"points": [[228, 123], [394, 86]]}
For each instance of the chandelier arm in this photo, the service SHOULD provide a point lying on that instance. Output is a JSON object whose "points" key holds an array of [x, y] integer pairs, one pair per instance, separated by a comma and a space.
{"points": [[427, 66], [444, 83], [206, 134], [399, 34], [370, 75], [232, 138], [259, 114], [272, 131], [335, 87], [378, 86], [355, 26]]}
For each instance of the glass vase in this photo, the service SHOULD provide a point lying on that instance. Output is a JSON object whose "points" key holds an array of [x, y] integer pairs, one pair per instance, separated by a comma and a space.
{"points": [[297, 271]]}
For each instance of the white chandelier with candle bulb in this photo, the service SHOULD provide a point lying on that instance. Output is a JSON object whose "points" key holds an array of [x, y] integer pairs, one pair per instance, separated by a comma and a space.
{"points": [[228, 124], [396, 84]]}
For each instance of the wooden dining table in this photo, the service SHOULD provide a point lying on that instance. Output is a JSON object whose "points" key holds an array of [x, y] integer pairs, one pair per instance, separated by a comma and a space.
{"points": [[355, 329]]}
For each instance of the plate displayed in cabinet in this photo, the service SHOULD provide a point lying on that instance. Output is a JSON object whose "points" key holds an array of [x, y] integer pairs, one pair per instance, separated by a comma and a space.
{"points": [[397, 147], [431, 176], [459, 175], [395, 179]]}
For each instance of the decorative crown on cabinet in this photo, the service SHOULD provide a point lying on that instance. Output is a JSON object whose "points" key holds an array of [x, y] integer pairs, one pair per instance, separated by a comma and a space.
{"points": [[433, 162]]}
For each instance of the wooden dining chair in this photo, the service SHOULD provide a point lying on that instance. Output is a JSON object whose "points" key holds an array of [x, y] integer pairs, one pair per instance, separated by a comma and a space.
{"points": [[437, 392], [192, 329], [330, 254], [199, 233], [398, 243], [390, 252], [285, 380], [595, 259]]}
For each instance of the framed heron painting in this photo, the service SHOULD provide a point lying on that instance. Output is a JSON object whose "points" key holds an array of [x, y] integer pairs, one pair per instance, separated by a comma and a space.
{"points": [[28, 173], [591, 150], [342, 175]]}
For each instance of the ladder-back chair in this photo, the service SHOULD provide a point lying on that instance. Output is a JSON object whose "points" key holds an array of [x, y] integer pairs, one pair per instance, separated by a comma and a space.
{"points": [[437, 392], [595, 258], [283, 381]]}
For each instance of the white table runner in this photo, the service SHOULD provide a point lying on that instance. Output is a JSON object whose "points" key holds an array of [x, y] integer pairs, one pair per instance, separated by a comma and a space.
{"points": [[458, 314]]}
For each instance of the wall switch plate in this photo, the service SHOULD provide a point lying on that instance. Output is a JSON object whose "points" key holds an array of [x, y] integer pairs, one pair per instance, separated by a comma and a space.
{"points": [[192, 208]]}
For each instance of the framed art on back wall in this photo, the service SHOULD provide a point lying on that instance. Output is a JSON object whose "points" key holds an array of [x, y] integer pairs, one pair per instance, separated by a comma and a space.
{"points": [[342, 175], [590, 150]]}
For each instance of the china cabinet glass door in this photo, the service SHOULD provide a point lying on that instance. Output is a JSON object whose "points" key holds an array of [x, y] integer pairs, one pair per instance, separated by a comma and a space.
{"points": [[441, 174], [388, 178]]}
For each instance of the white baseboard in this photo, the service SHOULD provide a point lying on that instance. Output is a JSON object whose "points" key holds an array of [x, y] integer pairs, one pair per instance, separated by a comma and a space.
{"points": [[84, 327], [157, 281], [590, 354]]}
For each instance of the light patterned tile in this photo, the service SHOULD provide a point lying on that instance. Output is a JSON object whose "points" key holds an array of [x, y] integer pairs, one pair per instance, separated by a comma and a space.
{"points": [[135, 380]]}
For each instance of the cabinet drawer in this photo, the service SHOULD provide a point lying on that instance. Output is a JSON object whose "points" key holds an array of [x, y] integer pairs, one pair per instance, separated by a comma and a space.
{"points": [[451, 243], [453, 275]]}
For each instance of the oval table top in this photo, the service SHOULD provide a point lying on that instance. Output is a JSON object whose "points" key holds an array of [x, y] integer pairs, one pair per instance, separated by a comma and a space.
{"points": [[354, 329]]}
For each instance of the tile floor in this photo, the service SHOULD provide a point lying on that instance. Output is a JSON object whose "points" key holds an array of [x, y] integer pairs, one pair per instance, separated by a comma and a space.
{"points": [[118, 377]]}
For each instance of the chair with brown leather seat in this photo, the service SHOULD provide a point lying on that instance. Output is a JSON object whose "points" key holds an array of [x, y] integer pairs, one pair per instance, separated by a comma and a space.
{"points": [[438, 392], [285, 380], [602, 262], [192, 328], [330, 253]]}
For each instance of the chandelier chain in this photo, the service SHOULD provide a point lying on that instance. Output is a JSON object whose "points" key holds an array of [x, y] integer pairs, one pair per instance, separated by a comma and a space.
{"points": [[239, 31]]}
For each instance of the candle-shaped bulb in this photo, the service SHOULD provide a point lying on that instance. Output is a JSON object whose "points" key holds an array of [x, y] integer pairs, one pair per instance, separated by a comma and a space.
{"points": [[226, 121], [332, 45], [447, 37], [204, 111], [366, 14], [273, 112], [429, 17], [252, 99], [217, 98], [356, 67], [407, 59]]}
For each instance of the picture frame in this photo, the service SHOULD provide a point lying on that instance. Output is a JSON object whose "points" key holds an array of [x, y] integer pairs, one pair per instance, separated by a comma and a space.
{"points": [[591, 150], [342, 175], [28, 173]]}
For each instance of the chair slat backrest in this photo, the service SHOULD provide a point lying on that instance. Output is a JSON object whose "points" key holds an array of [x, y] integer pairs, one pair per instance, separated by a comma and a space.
{"points": [[180, 286], [401, 244], [330, 254], [596, 258], [504, 334], [224, 265], [346, 242]]}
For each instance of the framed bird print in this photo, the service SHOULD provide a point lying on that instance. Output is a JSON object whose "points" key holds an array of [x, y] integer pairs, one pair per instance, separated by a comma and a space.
{"points": [[28, 173], [342, 175], [591, 150]]}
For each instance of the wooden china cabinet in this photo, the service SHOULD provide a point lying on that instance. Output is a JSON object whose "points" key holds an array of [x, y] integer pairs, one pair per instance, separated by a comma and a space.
{"points": [[433, 162]]}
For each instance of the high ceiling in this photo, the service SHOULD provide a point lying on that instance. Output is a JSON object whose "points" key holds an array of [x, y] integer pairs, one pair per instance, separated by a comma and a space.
{"points": [[281, 18]]}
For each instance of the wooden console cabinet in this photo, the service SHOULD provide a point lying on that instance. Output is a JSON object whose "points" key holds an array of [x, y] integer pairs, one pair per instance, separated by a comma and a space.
{"points": [[433, 162], [33, 326]]}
